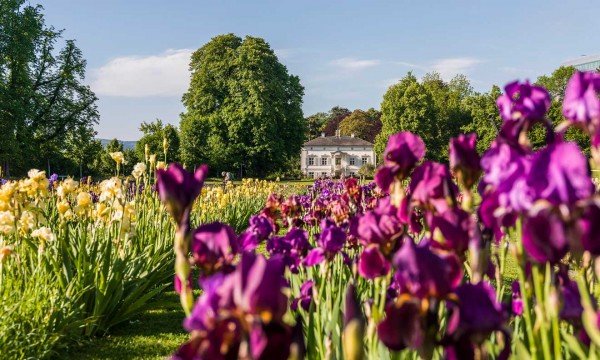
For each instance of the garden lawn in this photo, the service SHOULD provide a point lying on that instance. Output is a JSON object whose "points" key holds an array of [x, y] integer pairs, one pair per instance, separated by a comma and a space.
{"points": [[154, 334]]}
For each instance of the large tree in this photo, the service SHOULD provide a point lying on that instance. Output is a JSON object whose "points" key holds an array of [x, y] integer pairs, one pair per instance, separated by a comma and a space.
{"points": [[363, 124], [243, 108], [407, 106], [450, 110], [43, 100]]}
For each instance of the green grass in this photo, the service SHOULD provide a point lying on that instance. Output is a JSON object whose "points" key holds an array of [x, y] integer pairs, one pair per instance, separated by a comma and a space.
{"points": [[154, 334]]}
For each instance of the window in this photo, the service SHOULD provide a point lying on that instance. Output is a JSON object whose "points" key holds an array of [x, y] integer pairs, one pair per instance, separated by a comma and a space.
{"points": [[352, 161], [311, 174], [365, 160], [323, 161], [324, 173], [311, 161], [338, 161]]}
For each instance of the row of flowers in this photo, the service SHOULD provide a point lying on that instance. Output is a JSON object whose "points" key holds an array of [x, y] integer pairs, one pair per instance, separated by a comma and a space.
{"points": [[416, 262]]}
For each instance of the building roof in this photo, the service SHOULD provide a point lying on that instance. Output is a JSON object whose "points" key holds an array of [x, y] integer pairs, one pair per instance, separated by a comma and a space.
{"points": [[582, 60], [337, 141]]}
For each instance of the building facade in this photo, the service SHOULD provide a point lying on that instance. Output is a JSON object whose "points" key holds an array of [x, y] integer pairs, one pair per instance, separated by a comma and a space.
{"points": [[335, 156], [585, 63]]}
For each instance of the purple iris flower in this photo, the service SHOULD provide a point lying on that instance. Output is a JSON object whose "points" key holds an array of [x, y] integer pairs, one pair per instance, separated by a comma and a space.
{"points": [[259, 230], [517, 299], [257, 286], [424, 273], [571, 309], [474, 317], [178, 189], [503, 187], [305, 298], [545, 237], [214, 247], [523, 101], [403, 152], [380, 231], [51, 181], [248, 303], [331, 242], [372, 263], [380, 225], [581, 104], [222, 342], [560, 174], [293, 247], [590, 228], [270, 341], [403, 326], [451, 229], [432, 187], [464, 159]]}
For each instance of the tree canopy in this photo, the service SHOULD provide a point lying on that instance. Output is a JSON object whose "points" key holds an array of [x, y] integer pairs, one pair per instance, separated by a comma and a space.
{"points": [[43, 101], [153, 135], [363, 124], [243, 108]]}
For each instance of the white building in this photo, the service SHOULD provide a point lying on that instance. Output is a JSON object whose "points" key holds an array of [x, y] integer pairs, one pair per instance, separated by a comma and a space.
{"points": [[335, 155], [584, 63]]}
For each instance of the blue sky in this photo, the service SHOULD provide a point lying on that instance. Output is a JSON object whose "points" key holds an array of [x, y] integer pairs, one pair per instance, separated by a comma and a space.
{"points": [[346, 52]]}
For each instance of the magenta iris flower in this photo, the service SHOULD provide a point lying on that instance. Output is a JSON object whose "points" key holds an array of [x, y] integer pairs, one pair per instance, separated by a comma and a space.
{"points": [[372, 263], [247, 303], [571, 309], [560, 175], [293, 247], [516, 299], [403, 326], [451, 229], [423, 273], [305, 298], [178, 189], [431, 186], [581, 104], [213, 247], [545, 237], [589, 225], [474, 317], [331, 242], [464, 159], [379, 231], [523, 101], [403, 152]]}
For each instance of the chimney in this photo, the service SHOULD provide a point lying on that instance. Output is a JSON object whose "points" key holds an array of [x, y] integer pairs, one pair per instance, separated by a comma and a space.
{"points": [[322, 134], [352, 135]]}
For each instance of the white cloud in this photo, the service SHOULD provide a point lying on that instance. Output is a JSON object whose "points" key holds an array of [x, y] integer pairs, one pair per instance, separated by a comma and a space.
{"points": [[165, 74], [450, 67], [352, 64]]}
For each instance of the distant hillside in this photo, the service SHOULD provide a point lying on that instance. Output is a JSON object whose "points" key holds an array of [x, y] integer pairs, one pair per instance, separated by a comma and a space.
{"points": [[126, 144]]}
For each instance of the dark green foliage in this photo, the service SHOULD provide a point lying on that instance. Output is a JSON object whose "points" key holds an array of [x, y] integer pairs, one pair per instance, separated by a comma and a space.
{"points": [[336, 115], [153, 135], [408, 106], [485, 120], [43, 101], [315, 125], [363, 124], [243, 109]]}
